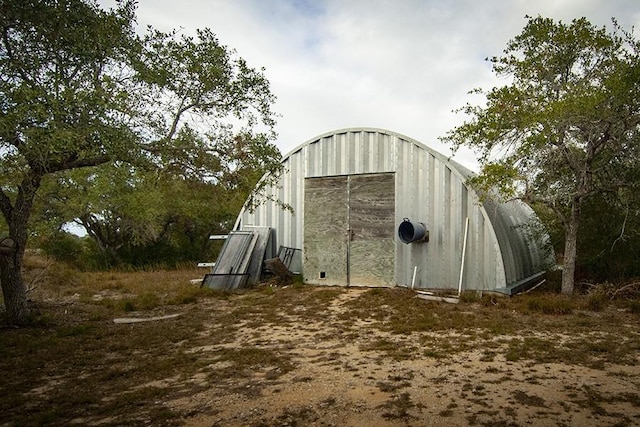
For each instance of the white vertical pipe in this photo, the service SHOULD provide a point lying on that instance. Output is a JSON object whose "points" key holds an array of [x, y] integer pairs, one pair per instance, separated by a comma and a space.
{"points": [[464, 250], [413, 280]]}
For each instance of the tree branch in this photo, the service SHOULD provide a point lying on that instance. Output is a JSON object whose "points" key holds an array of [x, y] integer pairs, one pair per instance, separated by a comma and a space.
{"points": [[7, 46], [176, 119], [12, 138], [5, 205], [79, 163], [624, 225], [564, 149]]}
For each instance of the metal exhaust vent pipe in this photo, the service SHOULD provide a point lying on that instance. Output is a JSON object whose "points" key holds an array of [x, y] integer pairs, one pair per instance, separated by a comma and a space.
{"points": [[412, 232]]}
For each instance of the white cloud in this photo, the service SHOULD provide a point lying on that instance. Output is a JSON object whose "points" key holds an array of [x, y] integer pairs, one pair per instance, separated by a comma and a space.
{"points": [[396, 64]]}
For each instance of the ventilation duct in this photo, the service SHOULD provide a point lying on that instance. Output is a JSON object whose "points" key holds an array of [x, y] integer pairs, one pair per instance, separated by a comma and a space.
{"points": [[412, 232]]}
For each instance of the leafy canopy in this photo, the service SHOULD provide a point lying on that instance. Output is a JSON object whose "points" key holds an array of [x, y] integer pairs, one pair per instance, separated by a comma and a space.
{"points": [[566, 126]]}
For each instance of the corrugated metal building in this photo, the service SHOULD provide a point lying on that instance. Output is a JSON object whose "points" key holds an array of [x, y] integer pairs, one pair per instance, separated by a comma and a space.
{"points": [[352, 189]]}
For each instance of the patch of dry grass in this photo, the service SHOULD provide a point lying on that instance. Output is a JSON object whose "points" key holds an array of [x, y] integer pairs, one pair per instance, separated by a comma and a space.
{"points": [[74, 365]]}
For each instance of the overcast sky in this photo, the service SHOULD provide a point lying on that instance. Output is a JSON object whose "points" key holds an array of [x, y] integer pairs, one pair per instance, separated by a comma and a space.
{"points": [[401, 65]]}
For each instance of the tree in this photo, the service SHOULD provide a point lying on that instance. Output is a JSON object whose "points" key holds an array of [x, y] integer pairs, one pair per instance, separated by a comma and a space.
{"points": [[125, 212], [609, 239], [79, 89], [565, 128]]}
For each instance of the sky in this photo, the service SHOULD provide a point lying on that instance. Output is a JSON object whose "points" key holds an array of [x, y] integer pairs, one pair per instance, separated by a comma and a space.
{"points": [[400, 65]]}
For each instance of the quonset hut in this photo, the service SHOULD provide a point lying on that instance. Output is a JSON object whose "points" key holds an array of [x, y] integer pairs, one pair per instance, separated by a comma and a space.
{"points": [[375, 208]]}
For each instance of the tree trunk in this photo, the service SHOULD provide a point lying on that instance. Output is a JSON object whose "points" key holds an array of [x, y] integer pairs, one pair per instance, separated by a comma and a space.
{"points": [[17, 218], [570, 249], [13, 288]]}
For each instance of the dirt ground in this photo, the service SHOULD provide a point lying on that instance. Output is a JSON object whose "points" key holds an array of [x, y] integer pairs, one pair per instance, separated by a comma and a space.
{"points": [[303, 356], [338, 381]]}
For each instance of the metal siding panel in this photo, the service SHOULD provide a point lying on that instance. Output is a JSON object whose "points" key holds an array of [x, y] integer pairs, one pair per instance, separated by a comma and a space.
{"points": [[319, 160], [519, 252], [354, 153], [431, 266], [420, 178], [386, 152], [478, 247], [306, 155], [271, 214], [293, 200], [499, 269], [448, 239], [490, 256], [391, 157], [420, 252], [469, 264], [435, 237], [404, 259], [338, 154], [317, 157], [412, 187], [310, 149], [332, 149], [375, 165], [357, 153], [500, 229], [366, 152], [297, 217], [374, 150], [325, 149], [403, 252], [299, 213], [259, 215], [343, 149], [457, 228]]}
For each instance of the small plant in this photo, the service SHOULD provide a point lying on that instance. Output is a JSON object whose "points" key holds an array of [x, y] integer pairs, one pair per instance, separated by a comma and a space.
{"points": [[470, 297], [528, 400], [596, 302], [634, 307], [433, 354], [147, 301], [556, 305], [76, 330], [398, 407], [448, 412], [127, 306]]}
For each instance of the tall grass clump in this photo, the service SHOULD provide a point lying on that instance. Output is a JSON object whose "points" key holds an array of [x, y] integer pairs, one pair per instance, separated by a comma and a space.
{"points": [[549, 304], [596, 302]]}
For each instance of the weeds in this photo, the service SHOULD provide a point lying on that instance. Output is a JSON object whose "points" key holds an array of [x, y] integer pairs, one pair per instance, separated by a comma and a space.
{"points": [[398, 407], [634, 307], [74, 365], [527, 399], [549, 305], [596, 302]]}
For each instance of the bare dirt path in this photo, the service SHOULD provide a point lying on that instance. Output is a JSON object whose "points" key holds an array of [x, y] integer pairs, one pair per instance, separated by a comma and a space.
{"points": [[350, 372]]}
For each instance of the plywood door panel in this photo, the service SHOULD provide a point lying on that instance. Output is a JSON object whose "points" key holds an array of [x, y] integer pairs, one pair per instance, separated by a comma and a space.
{"points": [[372, 224], [325, 231]]}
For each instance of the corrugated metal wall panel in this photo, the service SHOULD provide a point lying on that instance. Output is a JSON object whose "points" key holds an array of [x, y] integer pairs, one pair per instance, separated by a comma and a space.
{"points": [[429, 189]]}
